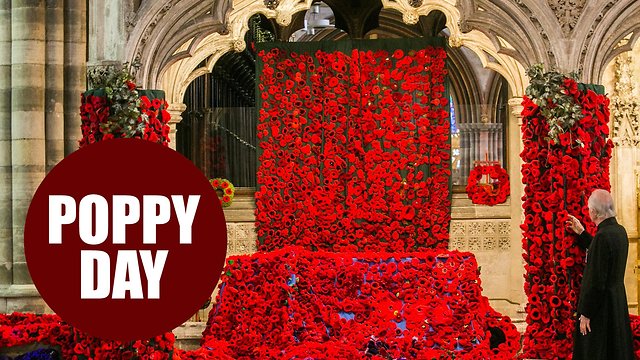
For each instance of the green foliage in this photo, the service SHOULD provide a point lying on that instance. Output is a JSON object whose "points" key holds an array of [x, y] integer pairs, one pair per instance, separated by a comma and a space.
{"points": [[557, 105], [119, 85]]}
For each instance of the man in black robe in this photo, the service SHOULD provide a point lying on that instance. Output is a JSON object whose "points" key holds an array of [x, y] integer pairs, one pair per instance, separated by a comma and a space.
{"points": [[603, 328]]}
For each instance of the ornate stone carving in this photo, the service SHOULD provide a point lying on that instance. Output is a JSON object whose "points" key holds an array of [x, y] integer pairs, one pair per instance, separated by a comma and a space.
{"points": [[480, 235], [130, 22], [241, 239], [271, 4], [455, 41], [239, 45], [415, 3], [567, 12], [587, 43], [148, 31], [538, 25], [410, 17], [625, 108]]}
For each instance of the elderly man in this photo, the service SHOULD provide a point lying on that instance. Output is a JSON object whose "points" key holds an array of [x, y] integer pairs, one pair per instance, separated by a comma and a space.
{"points": [[604, 332]]}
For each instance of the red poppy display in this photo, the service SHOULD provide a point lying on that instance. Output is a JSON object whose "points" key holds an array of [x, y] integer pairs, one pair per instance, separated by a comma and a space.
{"points": [[491, 193], [558, 179], [354, 150], [21, 329], [296, 303], [152, 124]]}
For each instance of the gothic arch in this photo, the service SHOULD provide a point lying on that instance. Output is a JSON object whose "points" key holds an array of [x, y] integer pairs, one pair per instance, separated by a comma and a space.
{"points": [[170, 40], [609, 33], [513, 29], [166, 31]]}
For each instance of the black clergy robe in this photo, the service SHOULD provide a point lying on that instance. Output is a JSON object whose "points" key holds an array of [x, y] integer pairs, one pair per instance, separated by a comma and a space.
{"points": [[602, 296]]}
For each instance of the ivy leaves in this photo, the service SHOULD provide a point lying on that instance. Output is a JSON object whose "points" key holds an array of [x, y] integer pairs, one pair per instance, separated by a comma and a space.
{"points": [[554, 94], [120, 88]]}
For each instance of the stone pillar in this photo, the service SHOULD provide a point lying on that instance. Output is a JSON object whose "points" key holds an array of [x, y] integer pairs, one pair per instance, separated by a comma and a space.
{"points": [[107, 31], [27, 118], [176, 110], [54, 81], [75, 69], [514, 148], [6, 225]]}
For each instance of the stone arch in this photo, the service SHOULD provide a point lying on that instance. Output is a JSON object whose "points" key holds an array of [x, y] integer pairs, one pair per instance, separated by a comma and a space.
{"points": [[609, 33], [162, 28], [171, 48]]}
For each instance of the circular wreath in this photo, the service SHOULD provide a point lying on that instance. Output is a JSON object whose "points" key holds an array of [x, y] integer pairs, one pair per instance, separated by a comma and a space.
{"points": [[228, 191], [495, 192]]}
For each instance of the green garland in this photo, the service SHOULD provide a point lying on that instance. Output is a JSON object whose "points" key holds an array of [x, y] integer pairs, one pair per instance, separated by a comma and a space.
{"points": [[122, 97], [549, 92]]}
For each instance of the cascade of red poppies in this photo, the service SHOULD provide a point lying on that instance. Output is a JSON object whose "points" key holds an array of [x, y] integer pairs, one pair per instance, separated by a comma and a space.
{"points": [[354, 150], [295, 303], [558, 179]]}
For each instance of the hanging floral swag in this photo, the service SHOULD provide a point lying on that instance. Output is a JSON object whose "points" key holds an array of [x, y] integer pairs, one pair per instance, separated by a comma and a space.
{"points": [[492, 193], [113, 108], [554, 95]]}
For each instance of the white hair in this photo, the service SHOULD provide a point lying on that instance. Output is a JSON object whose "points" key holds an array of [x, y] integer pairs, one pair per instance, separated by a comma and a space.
{"points": [[601, 202]]}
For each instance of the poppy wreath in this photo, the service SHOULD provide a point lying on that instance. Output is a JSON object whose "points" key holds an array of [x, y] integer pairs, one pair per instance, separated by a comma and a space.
{"points": [[228, 190], [294, 303], [559, 173], [354, 150], [493, 193]]}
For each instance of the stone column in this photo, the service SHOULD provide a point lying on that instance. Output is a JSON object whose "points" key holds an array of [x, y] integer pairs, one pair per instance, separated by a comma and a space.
{"points": [[107, 32], [27, 118], [54, 77], [75, 70], [176, 110], [514, 148], [6, 225]]}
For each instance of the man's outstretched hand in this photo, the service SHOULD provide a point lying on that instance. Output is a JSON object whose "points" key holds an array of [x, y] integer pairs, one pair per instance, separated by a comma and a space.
{"points": [[574, 224]]}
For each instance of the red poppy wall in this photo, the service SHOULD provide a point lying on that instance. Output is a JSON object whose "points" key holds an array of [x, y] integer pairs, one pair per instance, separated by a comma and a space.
{"points": [[558, 178], [354, 147]]}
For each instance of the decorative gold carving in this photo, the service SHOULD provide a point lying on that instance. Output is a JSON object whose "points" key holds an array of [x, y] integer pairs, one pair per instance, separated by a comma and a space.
{"points": [[410, 17], [239, 45], [455, 41], [271, 4], [625, 108], [568, 12]]}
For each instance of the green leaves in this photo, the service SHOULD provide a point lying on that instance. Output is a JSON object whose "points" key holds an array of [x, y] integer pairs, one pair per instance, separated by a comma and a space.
{"points": [[122, 96], [550, 92]]}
